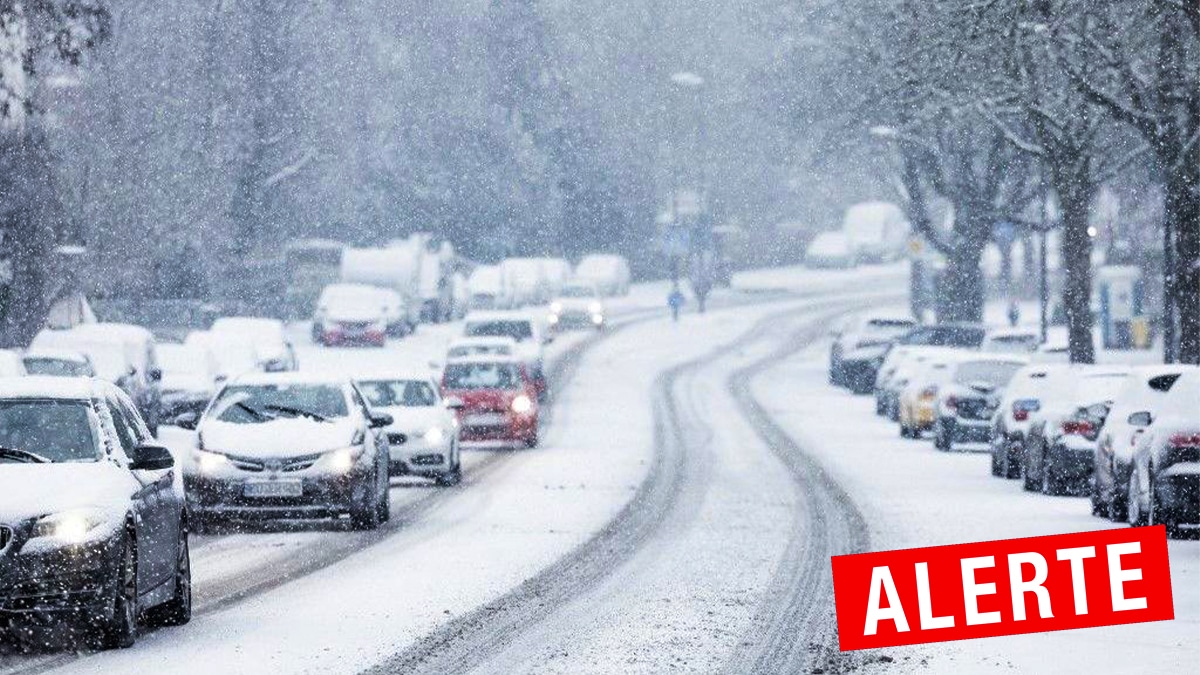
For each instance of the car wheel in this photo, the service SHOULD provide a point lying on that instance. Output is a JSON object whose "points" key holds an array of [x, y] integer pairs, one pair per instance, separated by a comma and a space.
{"points": [[450, 478], [1133, 505], [1098, 508], [940, 440], [880, 409], [1117, 504], [178, 610], [1051, 485], [385, 505], [1027, 481], [120, 630], [997, 469], [367, 516]]}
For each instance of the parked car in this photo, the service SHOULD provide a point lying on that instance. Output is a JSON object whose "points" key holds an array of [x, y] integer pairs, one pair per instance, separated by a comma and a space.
{"points": [[1164, 485], [830, 250], [859, 350], [578, 305], [525, 330], [123, 354], [499, 401], [289, 445], [11, 364], [92, 522], [1011, 341], [480, 346], [275, 351], [58, 363], [349, 314], [1132, 410], [191, 375], [423, 436], [968, 397], [918, 398], [609, 272], [1011, 420], [957, 335], [235, 354], [1061, 441], [907, 362]]}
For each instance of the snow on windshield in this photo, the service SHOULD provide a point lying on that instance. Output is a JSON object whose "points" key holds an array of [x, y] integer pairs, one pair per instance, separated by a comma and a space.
{"points": [[60, 431]]}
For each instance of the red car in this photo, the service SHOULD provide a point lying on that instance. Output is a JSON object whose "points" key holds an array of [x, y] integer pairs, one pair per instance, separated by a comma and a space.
{"points": [[499, 401]]}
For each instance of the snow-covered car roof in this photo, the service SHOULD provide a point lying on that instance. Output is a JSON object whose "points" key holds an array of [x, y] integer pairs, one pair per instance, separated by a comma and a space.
{"points": [[482, 341], [46, 386], [485, 358], [115, 331], [1019, 331], [290, 378], [56, 354], [254, 324]]}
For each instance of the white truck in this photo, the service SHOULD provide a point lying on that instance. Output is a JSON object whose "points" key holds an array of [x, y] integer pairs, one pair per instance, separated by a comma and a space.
{"points": [[526, 281], [609, 273], [876, 231], [395, 267], [488, 288]]}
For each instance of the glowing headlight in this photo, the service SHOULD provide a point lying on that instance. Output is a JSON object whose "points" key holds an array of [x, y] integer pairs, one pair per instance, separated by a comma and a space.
{"points": [[342, 459], [595, 308], [69, 526], [556, 307], [210, 461], [435, 436], [522, 404], [597, 319]]}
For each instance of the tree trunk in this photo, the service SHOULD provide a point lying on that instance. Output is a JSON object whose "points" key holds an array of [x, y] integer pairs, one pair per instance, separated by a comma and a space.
{"points": [[1183, 203], [1077, 261], [960, 288], [29, 211]]}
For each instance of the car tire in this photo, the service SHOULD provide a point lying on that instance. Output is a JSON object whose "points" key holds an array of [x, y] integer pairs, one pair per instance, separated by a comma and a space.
{"points": [[385, 505], [120, 630], [1118, 506], [450, 478], [1051, 485], [997, 468], [1027, 481], [940, 440], [367, 516], [1133, 506], [178, 610], [1098, 507], [880, 408]]}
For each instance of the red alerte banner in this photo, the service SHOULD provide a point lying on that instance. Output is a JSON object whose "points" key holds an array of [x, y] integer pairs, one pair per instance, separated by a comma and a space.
{"points": [[1002, 587]]}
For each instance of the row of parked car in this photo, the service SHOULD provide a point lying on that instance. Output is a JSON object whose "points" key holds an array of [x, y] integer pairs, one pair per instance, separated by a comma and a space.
{"points": [[1126, 436]]}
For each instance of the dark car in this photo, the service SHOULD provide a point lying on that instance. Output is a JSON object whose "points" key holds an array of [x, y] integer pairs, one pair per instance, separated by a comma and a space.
{"points": [[958, 335], [968, 400], [857, 353], [92, 523]]}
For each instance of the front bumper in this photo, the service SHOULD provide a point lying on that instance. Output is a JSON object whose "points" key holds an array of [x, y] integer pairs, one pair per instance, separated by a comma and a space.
{"points": [[42, 583], [960, 430], [500, 429], [414, 456], [568, 319], [859, 374], [323, 496], [340, 336]]}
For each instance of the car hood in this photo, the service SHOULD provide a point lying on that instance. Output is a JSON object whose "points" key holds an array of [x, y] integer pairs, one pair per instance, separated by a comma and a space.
{"points": [[34, 490], [284, 437], [579, 304], [416, 420], [485, 399]]}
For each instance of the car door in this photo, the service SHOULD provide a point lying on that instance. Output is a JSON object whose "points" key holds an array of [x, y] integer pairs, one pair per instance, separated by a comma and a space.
{"points": [[376, 439], [144, 499], [158, 541]]}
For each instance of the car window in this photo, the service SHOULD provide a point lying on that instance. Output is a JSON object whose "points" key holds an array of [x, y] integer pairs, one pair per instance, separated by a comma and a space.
{"points": [[517, 330], [482, 376], [126, 435], [36, 365], [399, 393], [140, 431], [256, 404], [61, 431], [995, 373], [357, 399]]}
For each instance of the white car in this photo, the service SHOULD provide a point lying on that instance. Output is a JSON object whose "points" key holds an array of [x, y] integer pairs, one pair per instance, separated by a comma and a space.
{"points": [[830, 249], [1164, 486], [58, 363], [1011, 341], [609, 272], [524, 329], [275, 351], [11, 364], [578, 305], [235, 355], [462, 348], [423, 435], [191, 375], [357, 314], [1132, 410], [289, 445]]}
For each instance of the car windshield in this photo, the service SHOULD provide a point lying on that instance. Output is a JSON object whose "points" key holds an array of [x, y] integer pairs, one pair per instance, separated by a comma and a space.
{"points": [[1013, 343], [399, 393], [255, 404], [38, 365], [994, 373], [59, 431], [470, 350], [517, 330], [482, 376], [578, 292], [945, 336]]}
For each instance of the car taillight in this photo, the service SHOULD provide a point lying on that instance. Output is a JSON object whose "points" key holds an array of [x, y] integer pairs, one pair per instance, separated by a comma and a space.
{"points": [[1021, 409], [1185, 440], [1082, 428], [929, 392], [950, 402]]}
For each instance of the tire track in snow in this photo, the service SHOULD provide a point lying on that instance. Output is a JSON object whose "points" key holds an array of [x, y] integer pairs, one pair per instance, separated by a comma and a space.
{"points": [[674, 480]]}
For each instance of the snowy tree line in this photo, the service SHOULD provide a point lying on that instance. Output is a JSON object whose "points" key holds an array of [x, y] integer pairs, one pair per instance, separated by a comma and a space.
{"points": [[991, 105]]}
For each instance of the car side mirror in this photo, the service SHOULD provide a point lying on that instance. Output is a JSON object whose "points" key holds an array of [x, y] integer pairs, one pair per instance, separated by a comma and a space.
{"points": [[151, 458], [185, 420], [454, 403], [435, 365], [155, 374], [1140, 419], [380, 420]]}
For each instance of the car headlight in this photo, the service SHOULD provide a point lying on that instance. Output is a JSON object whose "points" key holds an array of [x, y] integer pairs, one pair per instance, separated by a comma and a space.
{"points": [[71, 527], [435, 436], [552, 319], [595, 308], [522, 404], [597, 319], [556, 307], [343, 459], [210, 461]]}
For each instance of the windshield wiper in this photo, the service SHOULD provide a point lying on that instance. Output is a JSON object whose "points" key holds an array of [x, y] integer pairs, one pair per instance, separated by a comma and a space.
{"points": [[23, 456], [258, 414], [297, 412]]}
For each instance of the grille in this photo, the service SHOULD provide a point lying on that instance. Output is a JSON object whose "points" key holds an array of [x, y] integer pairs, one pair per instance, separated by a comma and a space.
{"points": [[973, 409], [397, 439], [286, 465], [5, 536]]}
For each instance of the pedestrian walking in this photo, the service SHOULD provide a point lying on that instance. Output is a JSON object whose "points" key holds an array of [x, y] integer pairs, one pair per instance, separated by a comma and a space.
{"points": [[675, 301]]}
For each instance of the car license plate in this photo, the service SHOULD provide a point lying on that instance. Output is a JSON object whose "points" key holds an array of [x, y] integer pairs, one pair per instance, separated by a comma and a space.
{"points": [[484, 420], [274, 488]]}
